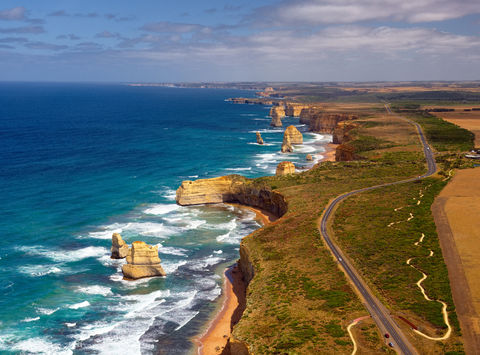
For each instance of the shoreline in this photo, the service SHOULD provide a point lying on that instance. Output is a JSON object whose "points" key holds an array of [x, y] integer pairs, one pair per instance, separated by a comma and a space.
{"points": [[329, 154], [215, 338]]}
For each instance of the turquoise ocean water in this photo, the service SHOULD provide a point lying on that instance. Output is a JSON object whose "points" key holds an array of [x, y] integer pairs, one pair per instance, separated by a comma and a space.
{"points": [[79, 162]]}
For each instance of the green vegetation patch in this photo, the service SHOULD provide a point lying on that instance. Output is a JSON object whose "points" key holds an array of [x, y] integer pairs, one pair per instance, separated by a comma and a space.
{"points": [[379, 229]]}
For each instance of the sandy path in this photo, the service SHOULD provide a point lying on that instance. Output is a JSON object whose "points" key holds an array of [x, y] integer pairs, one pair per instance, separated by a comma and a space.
{"points": [[456, 212], [444, 305]]}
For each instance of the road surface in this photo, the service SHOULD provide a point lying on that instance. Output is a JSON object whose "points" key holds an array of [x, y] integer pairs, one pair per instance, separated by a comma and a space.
{"points": [[378, 311]]}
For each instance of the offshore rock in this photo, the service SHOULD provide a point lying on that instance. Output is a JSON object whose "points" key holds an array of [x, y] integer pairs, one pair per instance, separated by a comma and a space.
{"points": [[293, 135], [119, 248], [231, 188], [259, 138], [142, 261], [285, 168], [309, 157], [276, 122], [277, 111], [286, 145]]}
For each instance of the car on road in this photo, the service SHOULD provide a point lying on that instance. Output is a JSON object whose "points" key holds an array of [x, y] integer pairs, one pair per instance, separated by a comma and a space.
{"points": [[387, 335], [390, 344]]}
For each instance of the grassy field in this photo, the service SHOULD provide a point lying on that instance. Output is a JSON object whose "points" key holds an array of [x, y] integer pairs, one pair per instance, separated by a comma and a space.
{"points": [[299, 302], [380, 248]]}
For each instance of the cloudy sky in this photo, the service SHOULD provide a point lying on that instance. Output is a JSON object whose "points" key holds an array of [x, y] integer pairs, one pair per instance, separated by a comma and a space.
{"points": [[239, 40]]}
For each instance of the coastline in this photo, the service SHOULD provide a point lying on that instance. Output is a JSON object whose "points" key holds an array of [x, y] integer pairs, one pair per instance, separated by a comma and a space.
{"points": [[214, 340], [329, 154]]}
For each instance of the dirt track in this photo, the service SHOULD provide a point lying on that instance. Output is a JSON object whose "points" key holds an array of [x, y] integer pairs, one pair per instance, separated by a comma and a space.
{"points": [[456, 211]]}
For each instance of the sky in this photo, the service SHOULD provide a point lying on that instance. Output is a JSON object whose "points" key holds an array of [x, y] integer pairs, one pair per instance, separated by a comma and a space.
{"points": [[239, 40]]}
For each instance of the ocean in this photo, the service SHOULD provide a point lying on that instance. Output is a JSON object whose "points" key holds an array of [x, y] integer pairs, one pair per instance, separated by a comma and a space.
{"points": [[79, 162]]}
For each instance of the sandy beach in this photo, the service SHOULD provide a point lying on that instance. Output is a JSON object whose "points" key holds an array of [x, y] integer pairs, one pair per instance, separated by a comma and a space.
{"points": [[215, 338], [329, 154]]}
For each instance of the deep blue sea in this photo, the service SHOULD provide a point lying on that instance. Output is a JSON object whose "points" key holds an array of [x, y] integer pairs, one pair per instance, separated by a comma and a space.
{"points": [[79, 162]]}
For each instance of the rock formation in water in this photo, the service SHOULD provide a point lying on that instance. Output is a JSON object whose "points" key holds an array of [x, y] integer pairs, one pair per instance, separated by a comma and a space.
{"points": [[293, 135], [285, 168], [259, 138], [276, 122], [277, 111], [142, 261], [286, 145], [119, 248], [309, 157], [231, 188]]}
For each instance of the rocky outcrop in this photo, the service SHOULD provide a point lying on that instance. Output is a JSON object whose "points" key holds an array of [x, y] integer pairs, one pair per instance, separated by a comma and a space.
{"points": [[323, 122], [345, 152], [119, 248], [341, 132], [259, 138], [293, 135], [231, 188], [276, 122], [294, 109], [277, 111], [308, 112], [286, 145], [309, 157], [285, 168], [142, 261]]}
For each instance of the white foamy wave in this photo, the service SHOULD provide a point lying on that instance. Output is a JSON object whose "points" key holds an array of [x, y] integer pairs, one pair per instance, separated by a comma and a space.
{"points": [[151, 229], [28, 320], [169, 194], [193, 176], [223, 237], [95, 290], [304, 149], [218, 251], [107, 231], [205, 263], [262, 119], [266, 130], [171, 266], [144, 302], [70, 325], [262, 145], [34, 346], [46, 311], [160, 209], [79, 305], [64, 255], [238, 169], [171, 250], [194, 224], [40, 270], [231, 225]]}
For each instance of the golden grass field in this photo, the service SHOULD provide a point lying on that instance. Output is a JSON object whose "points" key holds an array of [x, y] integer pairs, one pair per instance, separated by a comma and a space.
{"points": [[456, 213]]}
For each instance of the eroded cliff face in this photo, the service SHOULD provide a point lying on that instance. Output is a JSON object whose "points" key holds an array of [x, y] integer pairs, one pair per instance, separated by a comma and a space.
{"points": [[321, 121], [294, 109], [341, 132], [231, 188]]}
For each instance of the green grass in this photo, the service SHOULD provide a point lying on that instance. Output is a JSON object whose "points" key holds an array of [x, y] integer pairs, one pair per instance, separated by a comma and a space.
{"points": [[380, 252], [443, 135]]}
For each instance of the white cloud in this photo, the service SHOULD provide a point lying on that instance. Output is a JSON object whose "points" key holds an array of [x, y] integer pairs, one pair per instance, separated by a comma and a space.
{"points": [[351, 11]]}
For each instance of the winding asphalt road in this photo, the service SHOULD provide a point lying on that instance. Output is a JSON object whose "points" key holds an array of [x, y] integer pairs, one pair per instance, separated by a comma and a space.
{"points": [[378, 311]]}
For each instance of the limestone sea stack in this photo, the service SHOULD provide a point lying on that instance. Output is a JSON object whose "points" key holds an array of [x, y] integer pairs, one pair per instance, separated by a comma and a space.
{"points": [[286, 145], [259, 138], [277, 113], [142, 261], [309, 157], [294, 135], [119, 247], [285, 168]]}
